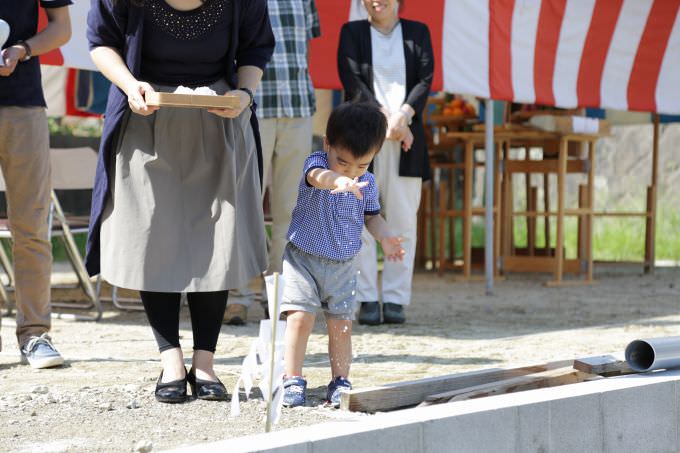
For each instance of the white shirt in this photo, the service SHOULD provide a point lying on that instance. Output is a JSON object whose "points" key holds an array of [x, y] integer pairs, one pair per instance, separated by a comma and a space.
{"points": [[389, 68]]}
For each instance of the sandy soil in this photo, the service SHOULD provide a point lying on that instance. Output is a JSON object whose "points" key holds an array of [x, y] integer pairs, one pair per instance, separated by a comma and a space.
{"points": [[102, 399]]}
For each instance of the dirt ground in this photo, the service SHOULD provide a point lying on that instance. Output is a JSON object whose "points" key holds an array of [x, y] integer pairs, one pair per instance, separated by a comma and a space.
{"points": [[102, 400]]}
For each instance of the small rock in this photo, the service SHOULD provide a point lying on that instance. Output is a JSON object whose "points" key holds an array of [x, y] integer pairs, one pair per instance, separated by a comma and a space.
{"points": [[131, 388], [143, 446], [34, 413], [24, 398], [40, 389], [85, 387], [106, 407], [50, 399], [133, 404]]}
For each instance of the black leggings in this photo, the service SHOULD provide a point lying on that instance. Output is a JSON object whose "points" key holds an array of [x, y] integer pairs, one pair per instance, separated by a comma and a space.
{"points": [[207, 312]]}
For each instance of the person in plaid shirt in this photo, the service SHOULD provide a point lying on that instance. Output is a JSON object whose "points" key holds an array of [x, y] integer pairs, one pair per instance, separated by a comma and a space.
{"points": [[286, 103]]}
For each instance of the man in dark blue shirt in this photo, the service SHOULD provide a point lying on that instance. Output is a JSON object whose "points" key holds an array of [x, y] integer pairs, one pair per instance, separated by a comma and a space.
{"points": [[25, 162]]}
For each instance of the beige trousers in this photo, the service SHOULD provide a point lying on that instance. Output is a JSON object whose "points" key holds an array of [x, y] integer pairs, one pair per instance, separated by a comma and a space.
{"points": [[25, 162], [286, 143], [400, 199]]}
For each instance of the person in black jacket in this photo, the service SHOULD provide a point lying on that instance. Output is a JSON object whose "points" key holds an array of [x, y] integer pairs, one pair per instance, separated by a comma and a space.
{"points": [[389, 60]]}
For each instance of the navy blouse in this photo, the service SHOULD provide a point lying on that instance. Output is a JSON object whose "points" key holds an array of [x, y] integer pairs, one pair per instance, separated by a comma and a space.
{"points": [[185, 47], [23, 87], [119, 24]]}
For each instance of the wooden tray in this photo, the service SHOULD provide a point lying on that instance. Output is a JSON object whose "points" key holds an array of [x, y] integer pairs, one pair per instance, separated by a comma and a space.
{"points": [[159, 99]]}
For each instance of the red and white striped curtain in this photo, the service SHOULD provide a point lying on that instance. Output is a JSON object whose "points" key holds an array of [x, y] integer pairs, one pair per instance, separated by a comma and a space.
{"points": [[618, 54]]}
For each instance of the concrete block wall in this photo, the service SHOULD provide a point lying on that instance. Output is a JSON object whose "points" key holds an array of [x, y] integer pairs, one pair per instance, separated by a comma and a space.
{"points": [[637, 413]]}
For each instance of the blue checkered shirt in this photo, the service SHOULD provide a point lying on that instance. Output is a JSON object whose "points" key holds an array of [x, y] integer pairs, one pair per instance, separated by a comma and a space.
{"points": [[329, 225], [286, 90]]}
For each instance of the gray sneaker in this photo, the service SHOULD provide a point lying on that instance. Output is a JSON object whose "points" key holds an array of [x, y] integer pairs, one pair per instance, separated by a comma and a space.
{"points": [[40, 353]]}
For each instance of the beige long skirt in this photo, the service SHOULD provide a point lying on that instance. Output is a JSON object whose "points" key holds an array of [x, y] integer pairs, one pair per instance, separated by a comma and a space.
{"points": [[185, 211]]}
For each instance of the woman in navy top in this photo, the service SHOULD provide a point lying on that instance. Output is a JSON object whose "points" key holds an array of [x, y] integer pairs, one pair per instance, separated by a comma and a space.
{"points": [[176, 206], [389, 61]]}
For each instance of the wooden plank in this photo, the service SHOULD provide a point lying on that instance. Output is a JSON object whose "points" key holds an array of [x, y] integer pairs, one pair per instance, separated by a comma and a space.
{"points": [[550, 378], [567, 212], [545, 166], [620, 214], [539, 264], [410, 393], [568, 283], [604, 365]]}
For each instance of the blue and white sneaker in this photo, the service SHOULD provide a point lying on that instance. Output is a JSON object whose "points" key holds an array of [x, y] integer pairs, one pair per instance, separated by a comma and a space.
{"points": [[294, 391], [335, 389], [40, 353]]}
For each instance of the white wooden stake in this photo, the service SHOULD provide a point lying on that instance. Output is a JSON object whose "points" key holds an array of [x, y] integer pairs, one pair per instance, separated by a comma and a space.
{"points": [[274, 316]]}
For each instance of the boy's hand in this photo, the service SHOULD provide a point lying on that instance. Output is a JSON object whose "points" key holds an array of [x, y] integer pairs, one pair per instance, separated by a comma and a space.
{"points": [[392, 248], [345, 184]]}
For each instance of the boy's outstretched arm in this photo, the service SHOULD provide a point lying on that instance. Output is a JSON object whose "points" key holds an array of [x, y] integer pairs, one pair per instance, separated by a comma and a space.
{"points": [[391, 244], [325, 179]]}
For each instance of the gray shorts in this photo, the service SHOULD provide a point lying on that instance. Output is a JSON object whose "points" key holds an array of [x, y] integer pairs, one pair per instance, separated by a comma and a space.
{"points": [[312, 283]]}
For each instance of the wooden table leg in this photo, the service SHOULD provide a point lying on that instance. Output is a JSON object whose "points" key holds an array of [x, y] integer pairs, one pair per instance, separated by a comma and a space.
{"points": [[506, 234], [467, 207], [433, 219], [529, 221], [442, 226], [591, 209], [559, 243], [497, 209], [581, 242], [546, 207], [650, 224], [452, 220]]}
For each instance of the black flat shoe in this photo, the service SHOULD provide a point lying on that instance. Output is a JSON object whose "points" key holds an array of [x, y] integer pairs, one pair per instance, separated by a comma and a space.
{"points": [[369, 313], [206, 390], [393, 313], [171, 392]]}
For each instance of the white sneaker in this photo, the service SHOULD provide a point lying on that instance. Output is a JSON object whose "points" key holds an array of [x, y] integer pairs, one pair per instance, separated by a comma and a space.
{"points": [[40, 353]]}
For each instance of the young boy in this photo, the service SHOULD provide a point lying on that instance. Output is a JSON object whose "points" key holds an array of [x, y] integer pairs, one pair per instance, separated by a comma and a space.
{"points": [[336, 197]]}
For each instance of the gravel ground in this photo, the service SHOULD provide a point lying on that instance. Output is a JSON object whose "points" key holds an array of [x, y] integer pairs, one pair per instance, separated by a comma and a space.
{"points": [[102, 399]]}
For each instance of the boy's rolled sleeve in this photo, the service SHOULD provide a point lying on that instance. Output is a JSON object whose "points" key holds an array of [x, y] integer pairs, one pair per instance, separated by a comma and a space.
{"points": [[314, 160], [371, 196]]}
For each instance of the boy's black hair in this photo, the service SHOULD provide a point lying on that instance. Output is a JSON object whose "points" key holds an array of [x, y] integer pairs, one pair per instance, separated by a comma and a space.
{"points": [[358, 127]]}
